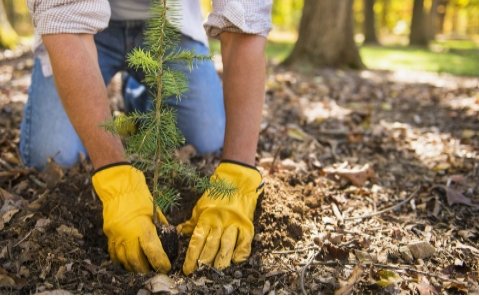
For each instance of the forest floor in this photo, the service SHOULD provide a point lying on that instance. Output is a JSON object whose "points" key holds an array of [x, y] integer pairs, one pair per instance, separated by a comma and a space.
{"points": [[372, 188]]}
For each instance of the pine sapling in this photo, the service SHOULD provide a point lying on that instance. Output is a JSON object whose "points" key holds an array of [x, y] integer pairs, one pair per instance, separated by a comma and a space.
{"points": [[152, 138]]}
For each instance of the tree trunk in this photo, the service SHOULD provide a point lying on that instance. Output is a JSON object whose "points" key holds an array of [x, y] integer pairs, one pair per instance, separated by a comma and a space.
{"points": [[433, 21], [454, 19], [385, 14], [8, 36], [370, 36], [19, 16], [441, 15], [326, 36], [418, 36]]}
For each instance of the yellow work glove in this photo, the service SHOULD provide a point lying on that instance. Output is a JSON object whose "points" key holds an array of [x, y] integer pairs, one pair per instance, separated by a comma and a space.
{"points": [[128, 219], [222, 227]]}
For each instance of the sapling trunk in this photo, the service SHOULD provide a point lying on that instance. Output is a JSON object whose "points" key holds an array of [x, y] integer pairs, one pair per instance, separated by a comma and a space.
{"points": [[158, 106], [151, 138]]}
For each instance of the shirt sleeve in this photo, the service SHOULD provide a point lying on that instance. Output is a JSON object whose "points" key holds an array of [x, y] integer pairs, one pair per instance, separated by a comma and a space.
{"points": [[69, 16], [241, 16]]}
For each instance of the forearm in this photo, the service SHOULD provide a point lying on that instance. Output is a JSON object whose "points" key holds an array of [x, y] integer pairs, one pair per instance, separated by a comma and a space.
{"points": [[243, 84], [82, 91]]}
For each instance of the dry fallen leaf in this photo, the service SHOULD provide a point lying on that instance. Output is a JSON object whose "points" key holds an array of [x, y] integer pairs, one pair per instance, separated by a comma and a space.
{"points": [[387, 278], [63, 229], [346, 287], [364, 256], [8, 215], [185, 153], [424, 286], [455, 286], [441, 167], [335, 253], [202, 281], [42, 223], [5, 195], [266, 287], [468, 133], [456, 197], [266, 162], [295, 132], [406, 254], [6, 281], [55, 292], [161, 283], [228, 288], [8, 210], [52, 174], [357, 176]]}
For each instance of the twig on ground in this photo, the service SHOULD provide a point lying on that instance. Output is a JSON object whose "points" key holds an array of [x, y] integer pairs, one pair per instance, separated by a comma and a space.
{"points": [[337, 212], [6, 164], [275, 158], [294, 251], [338, 132], [399, 268], [411, 196], [277, 272], [38, 182], [16, 171], [23, 239], [210, 268], [303, 271]]}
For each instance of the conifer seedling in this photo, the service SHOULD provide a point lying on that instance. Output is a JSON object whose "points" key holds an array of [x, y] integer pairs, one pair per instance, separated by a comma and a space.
{"points": [[152, 138]]}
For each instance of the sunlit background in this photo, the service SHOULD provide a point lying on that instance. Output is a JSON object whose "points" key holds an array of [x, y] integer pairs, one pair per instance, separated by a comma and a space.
{"points": [[454, 45]]}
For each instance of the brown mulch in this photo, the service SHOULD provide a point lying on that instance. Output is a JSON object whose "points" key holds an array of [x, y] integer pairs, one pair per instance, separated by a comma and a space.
{"points": [[372, 188]]}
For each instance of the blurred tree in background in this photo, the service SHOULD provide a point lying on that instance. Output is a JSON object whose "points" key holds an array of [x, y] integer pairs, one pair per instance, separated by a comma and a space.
{"points": [[419, 31], [370, 36], [326, 36], [444, 25], [8, 36], [14, 21], [390, 20], [17, 12], [287, 14]]}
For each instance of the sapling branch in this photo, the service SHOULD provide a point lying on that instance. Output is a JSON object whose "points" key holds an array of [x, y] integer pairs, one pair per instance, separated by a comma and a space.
{"points": [[151, 138]]}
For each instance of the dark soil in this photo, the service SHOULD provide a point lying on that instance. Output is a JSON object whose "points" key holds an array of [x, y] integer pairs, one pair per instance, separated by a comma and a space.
{"points": [[395, 136]]}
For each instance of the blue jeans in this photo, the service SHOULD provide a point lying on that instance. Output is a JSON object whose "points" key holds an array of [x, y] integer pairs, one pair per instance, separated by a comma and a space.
{"points": [[46, 131]]}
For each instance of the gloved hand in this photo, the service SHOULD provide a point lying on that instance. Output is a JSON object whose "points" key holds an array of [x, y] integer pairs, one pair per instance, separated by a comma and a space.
{"points": [[222, 227], [128, 219]]}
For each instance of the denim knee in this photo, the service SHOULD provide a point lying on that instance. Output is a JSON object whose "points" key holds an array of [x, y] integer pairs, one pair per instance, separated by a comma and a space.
{"points": [[46, 131]]}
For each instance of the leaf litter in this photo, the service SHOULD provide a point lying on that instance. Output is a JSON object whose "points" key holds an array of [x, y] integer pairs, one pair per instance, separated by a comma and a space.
{"points": [[334, 145]]}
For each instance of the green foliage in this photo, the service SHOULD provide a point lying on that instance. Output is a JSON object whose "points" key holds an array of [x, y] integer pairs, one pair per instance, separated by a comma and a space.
{"points": [[174, 82], [287, 13], [457, 57], [454, 57], [152, 138], [18, 16], [139, 59], [8, 37]]}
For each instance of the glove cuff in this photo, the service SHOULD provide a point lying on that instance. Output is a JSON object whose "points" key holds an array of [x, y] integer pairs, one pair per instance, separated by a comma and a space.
{"points": [[244, 176], [114, 180], [240, 164], [110, 165]]}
